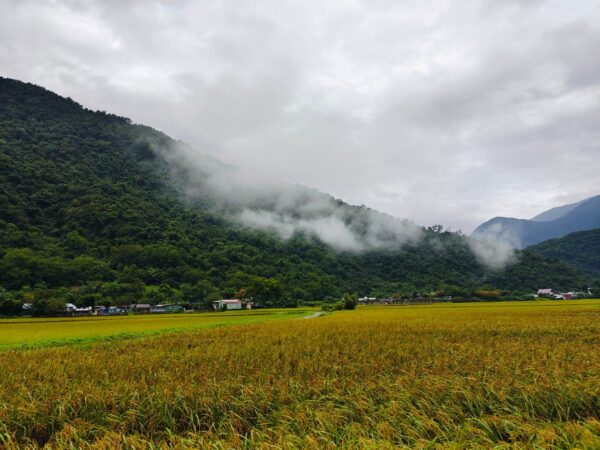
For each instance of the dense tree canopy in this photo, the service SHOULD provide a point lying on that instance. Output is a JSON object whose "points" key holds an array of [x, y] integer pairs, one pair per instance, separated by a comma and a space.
{"points": [[580, 249]]}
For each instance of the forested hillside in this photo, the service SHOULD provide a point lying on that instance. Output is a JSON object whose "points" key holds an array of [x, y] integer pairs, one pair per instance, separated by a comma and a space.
{"points": [[581, 250], [89, 212]]}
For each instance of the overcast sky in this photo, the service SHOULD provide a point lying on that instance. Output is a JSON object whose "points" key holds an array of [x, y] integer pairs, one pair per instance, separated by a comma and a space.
{"points": [[445, 112]]}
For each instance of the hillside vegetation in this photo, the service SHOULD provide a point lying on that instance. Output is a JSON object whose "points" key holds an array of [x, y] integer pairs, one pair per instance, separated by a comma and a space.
{"points": [[90, 212], [581, 250]]}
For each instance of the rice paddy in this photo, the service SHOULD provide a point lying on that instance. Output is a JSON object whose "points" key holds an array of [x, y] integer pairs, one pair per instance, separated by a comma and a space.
{"points": [[520, 375], [27, 333]]}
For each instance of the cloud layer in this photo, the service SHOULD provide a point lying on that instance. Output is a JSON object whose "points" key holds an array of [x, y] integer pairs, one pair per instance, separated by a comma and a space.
{"points": [[438, 111]]}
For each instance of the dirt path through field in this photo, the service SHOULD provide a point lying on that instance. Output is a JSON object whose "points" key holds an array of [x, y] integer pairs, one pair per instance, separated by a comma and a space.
{"points": [[313, 315]]}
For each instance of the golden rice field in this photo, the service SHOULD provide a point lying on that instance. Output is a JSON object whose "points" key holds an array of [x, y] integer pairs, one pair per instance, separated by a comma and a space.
{"points": [[27, 333], [509, 375]]}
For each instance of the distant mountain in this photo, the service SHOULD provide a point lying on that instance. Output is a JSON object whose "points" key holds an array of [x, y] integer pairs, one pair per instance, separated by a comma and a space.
{"points": [[580, 249], [556, 222], [556, 213], [96, 208]]}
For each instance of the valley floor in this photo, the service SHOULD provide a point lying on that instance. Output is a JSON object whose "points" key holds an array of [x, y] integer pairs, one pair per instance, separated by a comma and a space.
{"points": [[523, 374]]}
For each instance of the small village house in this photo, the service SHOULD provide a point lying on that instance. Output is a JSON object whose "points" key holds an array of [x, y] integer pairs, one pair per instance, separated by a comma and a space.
{"points": [[111, 311], [75, 311], [227, 304], [173, 308], [141, 308]]}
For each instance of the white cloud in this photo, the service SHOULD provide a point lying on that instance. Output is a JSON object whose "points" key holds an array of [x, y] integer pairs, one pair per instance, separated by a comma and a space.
{"points": [[267, 203], [442, 112]]}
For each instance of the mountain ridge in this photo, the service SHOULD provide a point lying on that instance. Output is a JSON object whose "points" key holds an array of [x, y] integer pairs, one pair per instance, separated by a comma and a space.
{"points": [[557, 212], [521, 233]]}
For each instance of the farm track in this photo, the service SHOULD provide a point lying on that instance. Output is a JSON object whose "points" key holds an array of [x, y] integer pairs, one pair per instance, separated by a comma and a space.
{"points": [[313, 315]]}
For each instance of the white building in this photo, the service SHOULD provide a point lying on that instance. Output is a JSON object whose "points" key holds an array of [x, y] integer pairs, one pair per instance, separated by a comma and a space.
{"points": [[74, 310], [227, 304]]}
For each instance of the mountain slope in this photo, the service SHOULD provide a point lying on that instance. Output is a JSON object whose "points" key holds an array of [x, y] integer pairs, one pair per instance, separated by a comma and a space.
{"points": [[95, 208], [556, 213], [580, 249], [521, 233]]}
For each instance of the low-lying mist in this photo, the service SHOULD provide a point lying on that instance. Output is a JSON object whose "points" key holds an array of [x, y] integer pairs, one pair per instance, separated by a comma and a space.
{"points": [[496, 247], [265, 203], [493, 253], [261, 202]]}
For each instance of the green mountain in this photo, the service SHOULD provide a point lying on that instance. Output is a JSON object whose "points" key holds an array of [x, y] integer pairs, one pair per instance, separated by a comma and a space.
{"points": [[95, 208], [580, 249]]}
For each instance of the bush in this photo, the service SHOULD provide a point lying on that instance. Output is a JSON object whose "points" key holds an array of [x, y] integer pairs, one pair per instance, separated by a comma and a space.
{"points": [[350, 301], [487, 294], [8, 305], [50, 306]]}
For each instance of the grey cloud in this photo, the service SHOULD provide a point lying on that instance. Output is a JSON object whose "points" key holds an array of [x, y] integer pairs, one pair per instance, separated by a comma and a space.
{"points": [[438, 112]]}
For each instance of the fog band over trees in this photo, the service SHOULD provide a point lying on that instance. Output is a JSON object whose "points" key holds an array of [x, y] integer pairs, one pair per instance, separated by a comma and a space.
{"points": [[263, 202]]}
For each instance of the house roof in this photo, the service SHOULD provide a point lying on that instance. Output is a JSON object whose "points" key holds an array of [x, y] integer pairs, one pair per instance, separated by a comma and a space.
{"points": [[544, 291]]}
